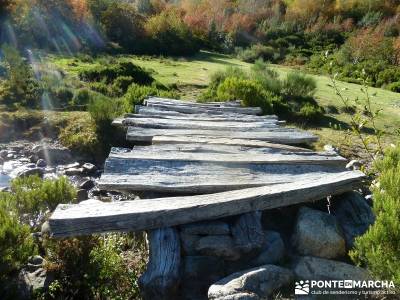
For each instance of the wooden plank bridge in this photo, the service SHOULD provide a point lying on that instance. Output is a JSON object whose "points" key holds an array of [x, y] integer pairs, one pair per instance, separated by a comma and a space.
{"points": [[218, 159]]}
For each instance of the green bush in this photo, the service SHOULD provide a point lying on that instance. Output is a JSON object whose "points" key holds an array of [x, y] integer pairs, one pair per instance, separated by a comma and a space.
{"points": [[217, 78], [137, 93], [103, 111], [16, 244], [20, 87], [94, 267], [121, 84], [250, 92], [256, 52], [310, 113], [81, 98], [109, 73], [267, 77], [61, 97], [101, 87], [378, 248], [298, 85], [394, 87], [32, 197]]}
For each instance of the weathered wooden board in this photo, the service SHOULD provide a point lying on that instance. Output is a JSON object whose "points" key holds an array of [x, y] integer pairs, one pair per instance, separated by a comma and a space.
{"points": [[224, 149], [84, 219], [157, 100], [191, 124], [162, 113], [205, 117], [142, 154], [208, 110], [289, 136], [200, 177], [214, 141]]}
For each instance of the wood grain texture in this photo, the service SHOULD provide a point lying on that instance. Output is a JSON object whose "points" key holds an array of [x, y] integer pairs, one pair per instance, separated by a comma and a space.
{"points": [[199, 177], [194, 124], [214, 141], [164, 113], [209, 110], [84, 219], [154, 154], [160, 281], [281, 136]]}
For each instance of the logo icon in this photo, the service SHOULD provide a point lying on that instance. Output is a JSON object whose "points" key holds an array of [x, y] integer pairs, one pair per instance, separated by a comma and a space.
{"points": [[302, 287]]}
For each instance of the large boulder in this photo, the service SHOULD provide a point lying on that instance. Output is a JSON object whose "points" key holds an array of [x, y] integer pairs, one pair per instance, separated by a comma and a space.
{"points": [[259, 282], [318, 234], [273, 251], [353, 214], [315, 268], [53, 154]]}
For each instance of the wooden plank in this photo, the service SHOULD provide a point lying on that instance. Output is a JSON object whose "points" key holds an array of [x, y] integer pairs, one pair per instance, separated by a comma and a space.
{"points": [[193, 103], [144, 110], [208, 110], [227, 149], [193, 124], [199, 177], [84, 219], [289, 136], [213, 141], [142, 154], [161, 278]]}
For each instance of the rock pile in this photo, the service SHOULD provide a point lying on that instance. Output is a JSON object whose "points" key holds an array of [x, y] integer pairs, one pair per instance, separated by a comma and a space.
{"points": [[244, 258]]}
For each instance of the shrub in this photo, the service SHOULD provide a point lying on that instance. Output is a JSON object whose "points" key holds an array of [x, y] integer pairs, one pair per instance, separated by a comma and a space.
{"points": [[20, 88], [267, 77], [217, 78], [103, 111], [137, 93], [310, 113], [121, 84], [81, 97], [250, 92], [32, 197], [123, 25], [170, 35], [394, 87], [16, 243], [257, 51], [378, 247], [101, 87], [94, 267], [61, 96], [298, 85], [109, 73]]}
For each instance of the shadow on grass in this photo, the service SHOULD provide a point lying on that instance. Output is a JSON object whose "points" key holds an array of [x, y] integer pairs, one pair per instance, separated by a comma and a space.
{"points": [[213, 57], [328, 122]]}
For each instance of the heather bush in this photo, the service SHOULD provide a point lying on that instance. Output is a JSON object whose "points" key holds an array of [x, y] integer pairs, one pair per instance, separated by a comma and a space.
{"points": [[378, 248]]}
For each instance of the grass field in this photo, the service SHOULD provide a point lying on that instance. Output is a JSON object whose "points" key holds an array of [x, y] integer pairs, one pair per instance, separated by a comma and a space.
{"points": [[192, 75]]}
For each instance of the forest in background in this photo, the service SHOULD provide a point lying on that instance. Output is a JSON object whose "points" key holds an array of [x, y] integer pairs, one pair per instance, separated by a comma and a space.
{"points": [[354, 35]]}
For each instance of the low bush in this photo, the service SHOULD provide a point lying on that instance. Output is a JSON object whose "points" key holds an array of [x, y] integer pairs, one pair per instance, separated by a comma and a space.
{"points": [[109, 73], [94, 267], [298, 85], [217, 78], [310, 113], [378, 248], [137, 93], [256, 52], [81, 98], [16, 244], [250, 92], [121, 84], [103, 110], [394, 87], [267, 77]]}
